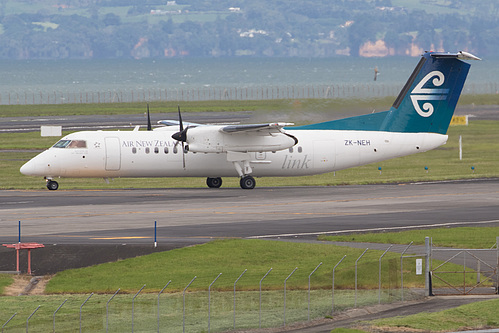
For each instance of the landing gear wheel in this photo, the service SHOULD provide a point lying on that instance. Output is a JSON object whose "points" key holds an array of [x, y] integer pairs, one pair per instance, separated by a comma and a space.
{"points": [[214, 182], [52, 185], [247, 182]]}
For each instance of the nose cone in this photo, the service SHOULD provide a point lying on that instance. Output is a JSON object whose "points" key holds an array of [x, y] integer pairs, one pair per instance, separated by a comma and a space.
{"points": [[29, 168], [44, 164]]}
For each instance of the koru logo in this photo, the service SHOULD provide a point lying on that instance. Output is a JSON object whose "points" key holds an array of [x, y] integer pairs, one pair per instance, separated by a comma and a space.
{"points": [[429, 94]]}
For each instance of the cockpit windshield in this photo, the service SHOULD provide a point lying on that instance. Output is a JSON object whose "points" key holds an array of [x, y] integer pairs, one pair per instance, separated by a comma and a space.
{"points": [[71, 144]]}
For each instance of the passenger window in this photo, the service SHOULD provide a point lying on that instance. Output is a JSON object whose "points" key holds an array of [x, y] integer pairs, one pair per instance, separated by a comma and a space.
{"points": [[291, 149], [156, 150], [175, 149], [134, 150], [166, 150], [300, 149], [147, 150]]}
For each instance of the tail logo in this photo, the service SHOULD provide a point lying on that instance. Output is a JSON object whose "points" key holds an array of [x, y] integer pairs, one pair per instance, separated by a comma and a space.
{"points": [[420, 94]]}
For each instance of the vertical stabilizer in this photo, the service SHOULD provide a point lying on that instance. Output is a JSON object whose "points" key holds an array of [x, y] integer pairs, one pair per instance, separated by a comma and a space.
{"points": [[428, 99]]}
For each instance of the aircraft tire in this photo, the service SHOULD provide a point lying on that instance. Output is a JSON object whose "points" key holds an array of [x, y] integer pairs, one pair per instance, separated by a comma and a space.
{"points": [[52, 185], [215, 182], [247, 182]]}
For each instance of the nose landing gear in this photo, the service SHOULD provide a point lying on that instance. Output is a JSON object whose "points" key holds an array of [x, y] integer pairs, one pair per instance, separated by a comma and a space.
{"points": [[52, 185]]}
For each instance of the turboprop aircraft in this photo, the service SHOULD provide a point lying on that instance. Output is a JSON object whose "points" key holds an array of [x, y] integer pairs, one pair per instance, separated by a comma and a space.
{"points": [[417, 121]]}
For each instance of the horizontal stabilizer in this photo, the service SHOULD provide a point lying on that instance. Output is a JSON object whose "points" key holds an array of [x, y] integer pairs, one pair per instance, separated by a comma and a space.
{"points": [[459, 55]]}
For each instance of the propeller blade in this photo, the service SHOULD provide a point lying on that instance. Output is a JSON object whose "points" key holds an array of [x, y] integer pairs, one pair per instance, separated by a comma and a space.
{"points": [[183, 154], [181, 135], [149, 126], [180, 119]]}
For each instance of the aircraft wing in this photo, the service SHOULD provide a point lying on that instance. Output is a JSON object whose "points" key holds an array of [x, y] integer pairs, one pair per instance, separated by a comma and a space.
{"points": [[177, 123], [261, 128]]}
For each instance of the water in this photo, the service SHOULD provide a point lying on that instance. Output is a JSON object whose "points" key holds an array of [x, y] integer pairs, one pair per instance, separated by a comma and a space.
{"points": [[23, 81]]}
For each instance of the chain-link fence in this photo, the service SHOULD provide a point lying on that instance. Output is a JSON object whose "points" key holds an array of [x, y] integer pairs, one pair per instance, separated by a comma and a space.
{"points": [[218, 310], [218, 93]]}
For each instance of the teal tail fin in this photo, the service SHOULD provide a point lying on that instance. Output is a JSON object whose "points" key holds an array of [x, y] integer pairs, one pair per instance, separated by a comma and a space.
{"points": [[429, 98], [425, 104]]}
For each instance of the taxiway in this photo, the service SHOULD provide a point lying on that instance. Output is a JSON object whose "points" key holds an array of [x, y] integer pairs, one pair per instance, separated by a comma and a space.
{"points": [[190, 216]]}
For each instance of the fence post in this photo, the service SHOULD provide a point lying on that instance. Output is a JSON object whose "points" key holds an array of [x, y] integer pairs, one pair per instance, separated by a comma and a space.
{"points": [[285, 280], [497, 267], [183, 313], [107, 309], [8, 321], [133, 303], [240, 276], [81, 306], [427, 266], [334, 269], [31, 315], [209, 301], [260, 311], [309, 288], [402, 270], [158, 299], [60, 306], [356, 261], [379, 290]]}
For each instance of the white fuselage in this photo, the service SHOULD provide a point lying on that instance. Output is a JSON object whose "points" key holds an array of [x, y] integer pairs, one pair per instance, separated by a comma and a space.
{"points": [[112, 154]]}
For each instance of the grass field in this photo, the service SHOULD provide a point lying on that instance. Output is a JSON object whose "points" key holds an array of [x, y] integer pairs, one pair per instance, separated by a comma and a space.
{"points": [[472, 316], [463, 238], [329, 107]]}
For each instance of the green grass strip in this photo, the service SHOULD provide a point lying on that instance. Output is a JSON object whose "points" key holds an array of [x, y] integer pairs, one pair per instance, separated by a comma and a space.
{"points": [[477, 315], [231, 258], [462, 237]]}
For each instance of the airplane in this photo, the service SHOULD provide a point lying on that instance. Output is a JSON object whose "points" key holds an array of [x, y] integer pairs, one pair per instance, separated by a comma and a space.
{"points": [[416, 122]]}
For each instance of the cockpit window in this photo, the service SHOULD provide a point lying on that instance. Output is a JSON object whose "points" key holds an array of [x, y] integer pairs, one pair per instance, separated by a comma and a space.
{"points": [[78, 144], [62, 144], [71, 144]]}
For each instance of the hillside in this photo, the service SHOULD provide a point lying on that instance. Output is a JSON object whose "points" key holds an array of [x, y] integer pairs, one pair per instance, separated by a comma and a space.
{"points": [[58, 29]]}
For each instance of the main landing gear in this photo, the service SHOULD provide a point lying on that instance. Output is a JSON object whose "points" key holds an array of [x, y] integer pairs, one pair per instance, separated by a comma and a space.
{"points": [[246, 182], [52, 185], [214, 182]]}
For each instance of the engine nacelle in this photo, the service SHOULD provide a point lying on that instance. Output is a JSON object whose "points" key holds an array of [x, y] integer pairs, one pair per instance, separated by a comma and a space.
{"points": [[210, 139]]}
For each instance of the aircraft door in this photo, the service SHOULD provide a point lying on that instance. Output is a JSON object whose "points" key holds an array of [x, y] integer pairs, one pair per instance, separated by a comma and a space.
{"points": [[113, 154]]}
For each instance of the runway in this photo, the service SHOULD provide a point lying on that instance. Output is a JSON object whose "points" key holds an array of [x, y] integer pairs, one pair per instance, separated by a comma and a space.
{"points": [[190, 216]]}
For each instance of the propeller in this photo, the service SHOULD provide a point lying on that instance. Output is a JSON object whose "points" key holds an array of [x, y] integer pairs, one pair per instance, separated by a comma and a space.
{"points": [[149, 126], [181, 136]]}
